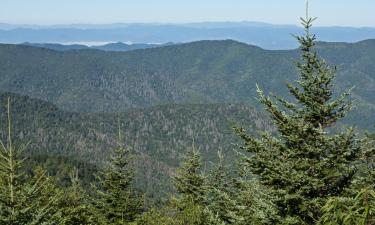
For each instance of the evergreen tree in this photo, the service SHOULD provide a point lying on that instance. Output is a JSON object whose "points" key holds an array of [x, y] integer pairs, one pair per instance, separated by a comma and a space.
{"points": [[24, 199], [189, 206], [366, 167], [190, 185], [156, 217], [304, 164], [75, 206], [189, 181], [222, 205], [41, 200], [255, 202], [350, 210], [11, 178], [117, 202], [360, 207]]}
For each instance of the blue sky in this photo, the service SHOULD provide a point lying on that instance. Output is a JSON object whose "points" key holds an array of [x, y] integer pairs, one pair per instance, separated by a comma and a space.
{"points": [[330, 12]]}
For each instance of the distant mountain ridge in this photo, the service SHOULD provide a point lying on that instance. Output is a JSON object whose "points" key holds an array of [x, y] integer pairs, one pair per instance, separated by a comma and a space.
{"points": [[193, 73], [265, 35], [7, 26], [118, 46]]}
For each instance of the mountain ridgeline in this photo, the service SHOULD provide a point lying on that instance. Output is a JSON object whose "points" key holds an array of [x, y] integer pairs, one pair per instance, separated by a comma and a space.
{"points": [[265, 35], [116, 47], [175, 135], [198, 72]]}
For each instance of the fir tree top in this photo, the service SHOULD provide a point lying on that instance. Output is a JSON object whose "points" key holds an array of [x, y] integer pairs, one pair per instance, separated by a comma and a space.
{"points": [[303, 164]]}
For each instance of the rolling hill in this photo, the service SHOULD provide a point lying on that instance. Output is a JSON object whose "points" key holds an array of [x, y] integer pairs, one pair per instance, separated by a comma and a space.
{"points": [[193, 73]]}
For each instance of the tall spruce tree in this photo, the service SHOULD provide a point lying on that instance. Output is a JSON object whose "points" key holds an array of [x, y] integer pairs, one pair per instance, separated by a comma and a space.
{"points": [[24, 199], [11, 178], [189, 181], [117, 202], [190, 185], [222, 205], [75, 208], [305, 163]]}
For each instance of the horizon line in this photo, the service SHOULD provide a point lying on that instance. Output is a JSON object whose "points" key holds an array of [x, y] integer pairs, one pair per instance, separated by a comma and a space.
{"points": [[23, 25]]}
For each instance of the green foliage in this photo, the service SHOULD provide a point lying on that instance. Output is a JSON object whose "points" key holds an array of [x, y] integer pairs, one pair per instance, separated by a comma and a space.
{"points": [[255, 203], [366, 167], [221, 203], [25, 199], [11, 179], [75, 207], [155, 217], [61, 167], [60, 141], [304, 164], [116, 201], [189, 183], [191, 213], [41, 200], [347, 211], [304, 172], [199, 72]]}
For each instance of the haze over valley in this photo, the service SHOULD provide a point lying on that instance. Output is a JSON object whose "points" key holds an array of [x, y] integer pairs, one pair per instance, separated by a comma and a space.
{"points": [[264, 35]]}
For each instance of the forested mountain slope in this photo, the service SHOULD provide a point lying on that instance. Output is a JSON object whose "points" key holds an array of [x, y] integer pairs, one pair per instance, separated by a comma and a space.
{"points": [[159, 136], [199, 72]]}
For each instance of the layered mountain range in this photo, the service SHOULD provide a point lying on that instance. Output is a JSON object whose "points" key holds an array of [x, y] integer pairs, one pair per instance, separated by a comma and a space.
{"points": [[166, 99], [268, 36], [193, 73]]}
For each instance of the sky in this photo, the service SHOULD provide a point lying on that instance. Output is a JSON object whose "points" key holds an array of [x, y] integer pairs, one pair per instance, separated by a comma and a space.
{"points": [[356, 13]]}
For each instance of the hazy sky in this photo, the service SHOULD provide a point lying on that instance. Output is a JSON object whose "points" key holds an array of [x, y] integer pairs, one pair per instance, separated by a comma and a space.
{"points": [[330, 12]]}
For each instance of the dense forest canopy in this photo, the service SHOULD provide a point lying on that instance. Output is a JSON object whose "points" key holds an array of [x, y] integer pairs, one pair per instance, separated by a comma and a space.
{"points": [[168, 136], [199, 72]]}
